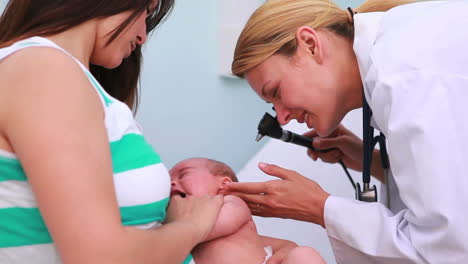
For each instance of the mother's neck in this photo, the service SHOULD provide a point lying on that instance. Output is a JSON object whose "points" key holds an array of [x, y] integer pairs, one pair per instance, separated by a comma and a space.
{"points": [[79, 41]]}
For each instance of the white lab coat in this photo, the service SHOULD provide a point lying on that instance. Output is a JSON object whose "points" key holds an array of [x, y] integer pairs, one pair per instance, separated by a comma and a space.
{"points": [[413, 62]]}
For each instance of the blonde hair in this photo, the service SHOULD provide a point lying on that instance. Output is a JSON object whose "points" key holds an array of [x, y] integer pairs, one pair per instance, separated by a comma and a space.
{"points": [[272, 27]]}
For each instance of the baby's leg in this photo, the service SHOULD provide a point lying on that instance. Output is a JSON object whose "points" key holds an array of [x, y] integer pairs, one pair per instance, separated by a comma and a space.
{"points": [[303, 255]]}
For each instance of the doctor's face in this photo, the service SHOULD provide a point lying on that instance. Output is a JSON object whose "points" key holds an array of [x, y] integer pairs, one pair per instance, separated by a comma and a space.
{"points": [[316, 85], [298, 90]]}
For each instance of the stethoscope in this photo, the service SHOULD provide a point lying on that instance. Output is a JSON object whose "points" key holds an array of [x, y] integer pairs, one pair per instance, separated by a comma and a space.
{"points": [[269, 126]]}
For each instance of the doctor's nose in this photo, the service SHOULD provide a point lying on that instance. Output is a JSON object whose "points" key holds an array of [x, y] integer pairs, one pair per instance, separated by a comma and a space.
{"points": [[283, 114]]}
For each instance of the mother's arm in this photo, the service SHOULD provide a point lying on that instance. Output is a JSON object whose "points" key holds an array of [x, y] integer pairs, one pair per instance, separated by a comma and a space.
{"points": [[54, 122]]}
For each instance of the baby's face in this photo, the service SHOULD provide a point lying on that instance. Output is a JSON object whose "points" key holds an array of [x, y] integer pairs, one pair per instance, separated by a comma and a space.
{"points": [[192, 177]]}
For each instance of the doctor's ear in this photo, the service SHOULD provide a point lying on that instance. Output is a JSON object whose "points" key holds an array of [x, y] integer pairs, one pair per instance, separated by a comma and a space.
{"points": [[308, 42]]}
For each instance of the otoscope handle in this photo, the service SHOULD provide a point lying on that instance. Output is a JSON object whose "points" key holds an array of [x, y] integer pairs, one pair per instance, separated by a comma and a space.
{"points": [[297, 139], [302, 140]]}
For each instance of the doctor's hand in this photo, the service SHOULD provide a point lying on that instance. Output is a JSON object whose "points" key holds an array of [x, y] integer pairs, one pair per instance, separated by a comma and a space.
{"points": [[293, 196], [346, 147], [197, 213]]}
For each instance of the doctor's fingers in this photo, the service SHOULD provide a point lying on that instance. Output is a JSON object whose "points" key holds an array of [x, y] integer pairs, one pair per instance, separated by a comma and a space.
{"points": [[261, 211], [329, 157], [277, 171], [338, 142], [349, 145], [245, 187], [311, 134], [260, 206]]}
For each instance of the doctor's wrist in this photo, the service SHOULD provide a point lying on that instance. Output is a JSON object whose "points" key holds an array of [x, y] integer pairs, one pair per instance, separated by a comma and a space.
{"points": [[319, 214]]}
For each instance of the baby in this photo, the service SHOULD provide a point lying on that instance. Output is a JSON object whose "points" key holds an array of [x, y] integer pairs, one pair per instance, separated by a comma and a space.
{"points": [[234, 239]]}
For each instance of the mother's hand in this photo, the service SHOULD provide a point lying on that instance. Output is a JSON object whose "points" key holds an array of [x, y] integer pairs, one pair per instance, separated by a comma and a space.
{"points": [[293, 196], [199, 213]]}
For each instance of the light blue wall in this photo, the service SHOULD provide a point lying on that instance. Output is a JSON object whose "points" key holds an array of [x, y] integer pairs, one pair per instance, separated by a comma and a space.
{"points": [[187, 109]]}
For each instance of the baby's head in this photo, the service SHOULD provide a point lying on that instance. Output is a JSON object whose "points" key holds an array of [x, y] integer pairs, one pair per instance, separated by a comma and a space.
{"points": [[200, 176]]}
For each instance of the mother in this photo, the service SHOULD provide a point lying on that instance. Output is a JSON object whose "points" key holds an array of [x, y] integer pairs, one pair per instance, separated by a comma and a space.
{"points": [[78, 181], [315, 63]]}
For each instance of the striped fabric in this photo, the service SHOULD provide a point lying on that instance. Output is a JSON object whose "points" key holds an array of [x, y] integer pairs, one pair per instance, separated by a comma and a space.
{"points": [[141, 180]]}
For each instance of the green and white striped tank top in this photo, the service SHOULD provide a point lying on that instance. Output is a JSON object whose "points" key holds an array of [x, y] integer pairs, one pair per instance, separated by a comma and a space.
{"points": [[141, 181]]}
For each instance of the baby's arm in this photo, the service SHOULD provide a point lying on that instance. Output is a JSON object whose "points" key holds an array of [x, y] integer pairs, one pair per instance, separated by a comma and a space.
{"points": [[281, 248], [233, 215]]}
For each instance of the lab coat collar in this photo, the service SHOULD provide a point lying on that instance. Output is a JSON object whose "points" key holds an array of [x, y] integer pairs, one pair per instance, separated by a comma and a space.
{"points": [[366, 28]]}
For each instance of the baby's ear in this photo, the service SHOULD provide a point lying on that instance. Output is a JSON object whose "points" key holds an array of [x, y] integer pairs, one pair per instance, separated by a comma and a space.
{"points": [[226, 180]]}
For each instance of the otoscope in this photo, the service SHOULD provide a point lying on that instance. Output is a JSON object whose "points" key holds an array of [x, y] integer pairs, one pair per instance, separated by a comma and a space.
{"points": [[269, 126]]}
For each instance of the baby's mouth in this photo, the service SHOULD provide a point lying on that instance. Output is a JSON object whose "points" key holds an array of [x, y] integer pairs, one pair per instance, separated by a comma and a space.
{"points": [[177, 192]]}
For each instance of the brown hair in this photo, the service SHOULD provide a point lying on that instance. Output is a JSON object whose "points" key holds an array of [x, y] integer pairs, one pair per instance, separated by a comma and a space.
{"points": [[218, 168], [26, 18], [272, 27]]}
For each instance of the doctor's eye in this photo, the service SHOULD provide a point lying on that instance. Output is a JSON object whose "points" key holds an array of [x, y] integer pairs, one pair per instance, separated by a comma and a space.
{"points": [[276, 93]]}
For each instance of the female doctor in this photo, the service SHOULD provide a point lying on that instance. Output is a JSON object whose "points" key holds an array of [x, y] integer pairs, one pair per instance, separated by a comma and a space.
{"points": [[315, 63]]}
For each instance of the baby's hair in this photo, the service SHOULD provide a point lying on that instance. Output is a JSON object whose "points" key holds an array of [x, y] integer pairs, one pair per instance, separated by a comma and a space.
{"points": [[218, 168]]}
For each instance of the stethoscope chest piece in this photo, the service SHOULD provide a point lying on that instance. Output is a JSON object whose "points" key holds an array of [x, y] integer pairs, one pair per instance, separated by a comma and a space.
{"points": [[368, 194]]}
